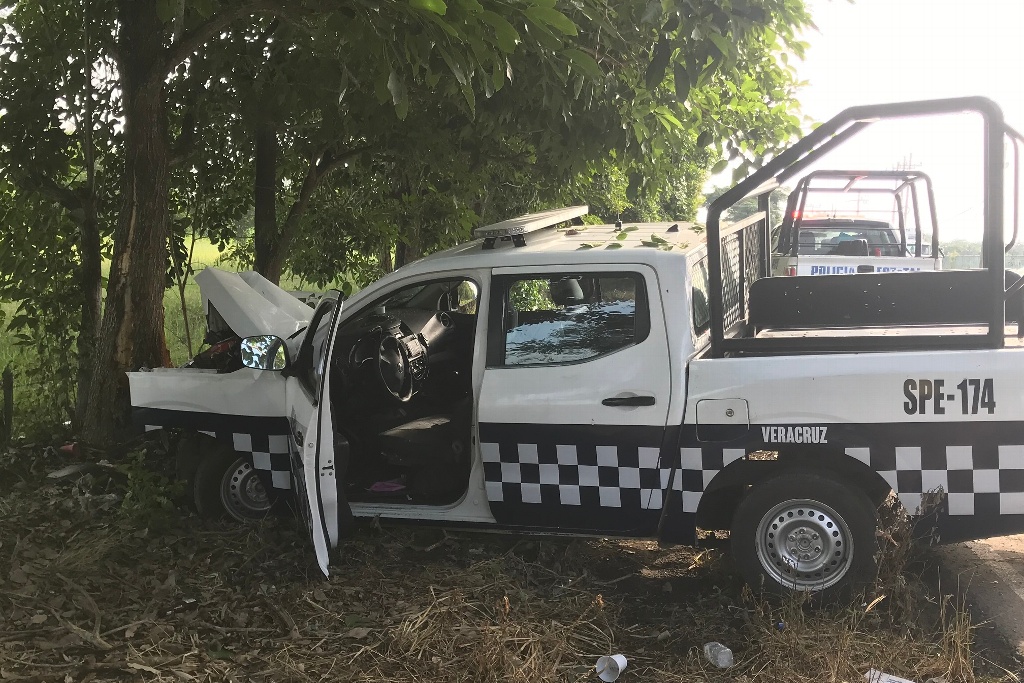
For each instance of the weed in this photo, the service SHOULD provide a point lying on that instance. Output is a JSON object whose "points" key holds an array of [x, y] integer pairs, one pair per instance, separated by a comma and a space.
{"points": [[150, 494]]}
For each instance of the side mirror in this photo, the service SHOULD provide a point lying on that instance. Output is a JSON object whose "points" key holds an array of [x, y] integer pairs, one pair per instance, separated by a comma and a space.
{"points": [[264, 352]]}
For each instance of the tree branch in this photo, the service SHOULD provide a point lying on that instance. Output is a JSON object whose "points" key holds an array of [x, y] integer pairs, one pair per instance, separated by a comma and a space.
{"points": [[329, 162], [64, 196], [319, 168], [194, 38]]}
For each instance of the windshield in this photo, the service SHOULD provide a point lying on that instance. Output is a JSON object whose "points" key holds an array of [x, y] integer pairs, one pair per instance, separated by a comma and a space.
{"points": [[823, 240], [826, 240]]}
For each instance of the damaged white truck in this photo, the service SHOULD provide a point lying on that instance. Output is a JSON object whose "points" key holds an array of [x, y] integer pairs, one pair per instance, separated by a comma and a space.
{"points": [[638, 380]]}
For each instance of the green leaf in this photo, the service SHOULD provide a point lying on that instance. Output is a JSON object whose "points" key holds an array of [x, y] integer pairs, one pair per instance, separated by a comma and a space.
{"points": [[467, 92], [614, 245], [722, 43], [551, 17], [471, 6], [498, 74], [658, 240], [640, 131], [630, 229], [681, 78], [666, 114], [166, 9], [584, 62], [505, 33], [399, 95], [456, 70], [703, 140], [435, 6], [205, 8], [546, 38], [659, 62], [720, 166], [621, 235]]}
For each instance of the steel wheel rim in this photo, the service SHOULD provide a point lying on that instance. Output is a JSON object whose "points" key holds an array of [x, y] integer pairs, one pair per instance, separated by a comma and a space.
{"points": [[804, 545], [242, 493]]}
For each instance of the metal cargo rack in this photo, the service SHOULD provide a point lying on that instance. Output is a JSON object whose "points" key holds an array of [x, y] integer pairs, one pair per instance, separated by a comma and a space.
{"points": [[739, 255]]}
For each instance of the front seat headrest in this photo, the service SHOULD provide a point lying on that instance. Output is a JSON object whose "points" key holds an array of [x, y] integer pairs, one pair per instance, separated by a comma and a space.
{"points": [[566, 292]]}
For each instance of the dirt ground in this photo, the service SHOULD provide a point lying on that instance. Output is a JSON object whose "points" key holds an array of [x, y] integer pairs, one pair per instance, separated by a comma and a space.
{"points": [[105, 575]]}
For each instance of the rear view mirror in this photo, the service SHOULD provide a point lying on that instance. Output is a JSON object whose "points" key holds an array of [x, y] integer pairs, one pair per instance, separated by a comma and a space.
{"points": [[264, 352]]}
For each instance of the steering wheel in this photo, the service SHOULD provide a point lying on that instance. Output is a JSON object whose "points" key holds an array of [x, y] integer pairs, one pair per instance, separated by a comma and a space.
{"points": [[394, 368]]}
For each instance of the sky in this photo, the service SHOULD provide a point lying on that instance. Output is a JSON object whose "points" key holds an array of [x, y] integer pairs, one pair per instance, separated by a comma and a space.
{"points": [[893, 50], [875, 51]]}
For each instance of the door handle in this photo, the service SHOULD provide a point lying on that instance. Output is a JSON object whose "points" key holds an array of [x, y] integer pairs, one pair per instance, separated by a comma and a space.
{"points": [[619, 401]]}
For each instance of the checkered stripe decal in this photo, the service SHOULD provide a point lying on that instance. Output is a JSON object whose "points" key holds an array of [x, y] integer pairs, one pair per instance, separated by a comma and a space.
{"points": [[980, 479], [269, 452], [604, 476], [698, 466]]}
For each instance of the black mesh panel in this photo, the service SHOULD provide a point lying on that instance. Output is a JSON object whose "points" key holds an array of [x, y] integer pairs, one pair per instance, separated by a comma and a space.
{"points": [[731, 284]]}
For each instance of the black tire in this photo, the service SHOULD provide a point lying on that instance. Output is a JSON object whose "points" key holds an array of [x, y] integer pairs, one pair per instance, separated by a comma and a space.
{"points": [[225, 484], [804, 532], [188, 455]]}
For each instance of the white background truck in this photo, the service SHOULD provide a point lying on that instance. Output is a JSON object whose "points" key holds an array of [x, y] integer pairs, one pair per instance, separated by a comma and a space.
{"points": [[843, 222], [629, 381]]}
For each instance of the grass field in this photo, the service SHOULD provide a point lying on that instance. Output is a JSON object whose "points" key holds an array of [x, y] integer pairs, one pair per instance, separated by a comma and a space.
{"points": [[107, 579]]}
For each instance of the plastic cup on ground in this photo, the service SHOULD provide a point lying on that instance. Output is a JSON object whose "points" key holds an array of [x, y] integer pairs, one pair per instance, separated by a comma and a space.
{"points": [[610, 666]]}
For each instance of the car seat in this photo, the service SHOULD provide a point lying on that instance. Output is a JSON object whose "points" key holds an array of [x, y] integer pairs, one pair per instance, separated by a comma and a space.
{"points": [[434, 452], [808, 245], [851, 248], [567, 292]]}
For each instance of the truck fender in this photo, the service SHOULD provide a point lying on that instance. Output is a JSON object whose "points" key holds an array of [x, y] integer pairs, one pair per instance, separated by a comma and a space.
{"points": [[724, 492]]}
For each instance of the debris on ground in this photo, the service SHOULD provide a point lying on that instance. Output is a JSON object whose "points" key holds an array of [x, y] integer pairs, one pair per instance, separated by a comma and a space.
{"points": [[610, 667], [876, 676], [719, 655], [106, 576]]}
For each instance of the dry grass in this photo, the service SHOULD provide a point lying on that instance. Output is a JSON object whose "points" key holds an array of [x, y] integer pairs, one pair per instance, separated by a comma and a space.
{"points": [[85, 593]]}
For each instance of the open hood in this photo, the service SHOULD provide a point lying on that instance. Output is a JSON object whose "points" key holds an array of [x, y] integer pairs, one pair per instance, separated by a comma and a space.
{"points": [[249, 304]]}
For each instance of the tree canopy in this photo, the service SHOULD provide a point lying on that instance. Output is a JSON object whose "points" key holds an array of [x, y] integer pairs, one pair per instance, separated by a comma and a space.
{"points": [[336, 139]]}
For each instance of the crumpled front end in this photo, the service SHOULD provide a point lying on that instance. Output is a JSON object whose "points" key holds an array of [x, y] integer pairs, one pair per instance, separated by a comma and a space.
{"points": [[245, 410], [248, 304]]}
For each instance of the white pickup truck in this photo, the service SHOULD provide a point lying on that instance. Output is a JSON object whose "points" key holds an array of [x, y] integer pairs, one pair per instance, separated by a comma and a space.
{"points": [[843, 222], [627, 381]]}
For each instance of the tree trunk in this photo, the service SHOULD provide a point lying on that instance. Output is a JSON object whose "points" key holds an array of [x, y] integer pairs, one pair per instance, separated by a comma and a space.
{"points": [[92, 301], [387, 260], [408, 248], [89, 242], [265, 234], [318, 168], [132, 332]]}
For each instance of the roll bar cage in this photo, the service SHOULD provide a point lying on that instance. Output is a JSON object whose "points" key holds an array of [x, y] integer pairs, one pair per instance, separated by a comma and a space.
{"points": [[864, 182], [827, 137]]}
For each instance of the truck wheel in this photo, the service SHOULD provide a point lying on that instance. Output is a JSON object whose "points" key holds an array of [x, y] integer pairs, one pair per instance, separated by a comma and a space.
{"points": [[225, 483], [805, 533]]}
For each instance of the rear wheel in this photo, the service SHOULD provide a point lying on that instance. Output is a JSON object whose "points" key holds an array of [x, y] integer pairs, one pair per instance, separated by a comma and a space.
{"points": [[225, 483], [804, 532]]}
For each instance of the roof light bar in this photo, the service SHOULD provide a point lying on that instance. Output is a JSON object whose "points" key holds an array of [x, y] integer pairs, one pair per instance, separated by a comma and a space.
{"points": [[516, 229]]}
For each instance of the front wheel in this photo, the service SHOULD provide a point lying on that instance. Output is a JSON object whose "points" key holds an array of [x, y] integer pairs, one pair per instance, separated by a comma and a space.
{"points": [[807, 533], [225, 483]]}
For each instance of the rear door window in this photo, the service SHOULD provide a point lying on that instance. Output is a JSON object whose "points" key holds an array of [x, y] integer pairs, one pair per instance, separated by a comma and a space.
{"points": [[572, 318]]}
